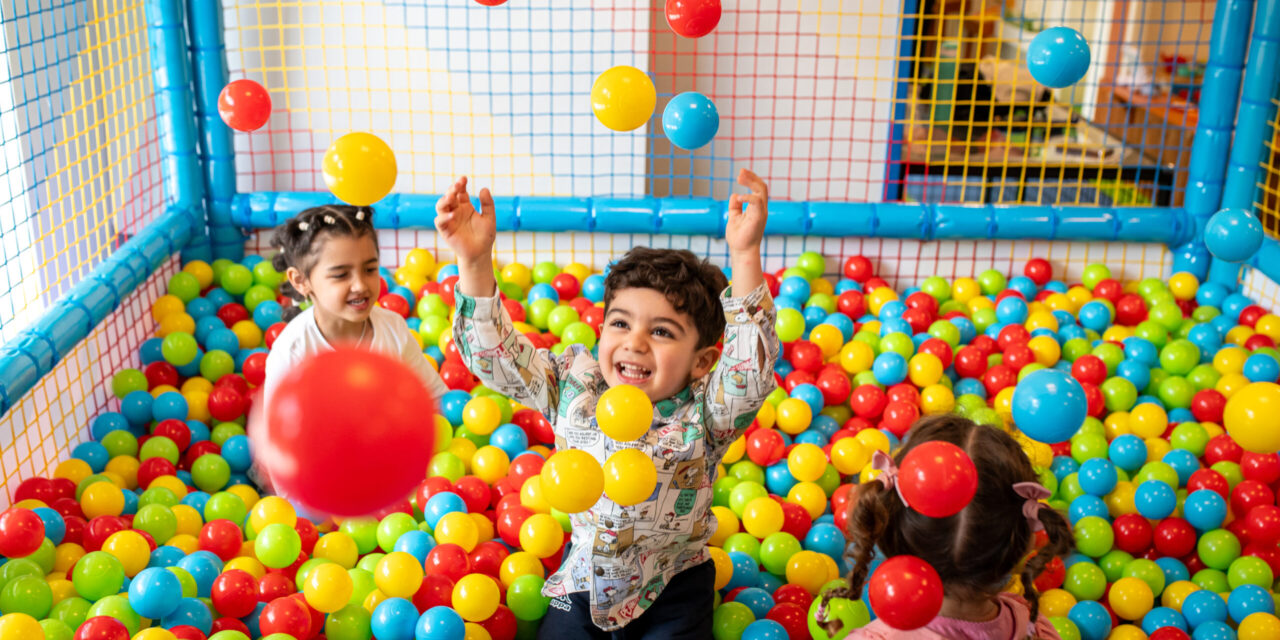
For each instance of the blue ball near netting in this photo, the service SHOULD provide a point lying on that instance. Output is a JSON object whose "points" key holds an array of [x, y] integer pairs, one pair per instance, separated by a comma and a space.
{"points": [[1233, 235], [169, 405], [150, 351], [55, 528], [206, 326], [446, 272], [201, 308], [542, 290], [136, 407], [794, 287], [106, 423], [93, 453], [1058, 57], [1049, 406], [690, 120], [1211, 294], [593, 288]]}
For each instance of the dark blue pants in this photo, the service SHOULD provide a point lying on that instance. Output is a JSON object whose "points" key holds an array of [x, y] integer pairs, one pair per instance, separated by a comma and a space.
{"points": [[681, 612]]}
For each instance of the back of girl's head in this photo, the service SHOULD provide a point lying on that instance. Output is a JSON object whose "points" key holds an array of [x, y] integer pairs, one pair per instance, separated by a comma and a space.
{"points": [[975, 550], [300, 239]]}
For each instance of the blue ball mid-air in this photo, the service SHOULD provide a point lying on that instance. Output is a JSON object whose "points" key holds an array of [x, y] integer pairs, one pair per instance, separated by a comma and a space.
{"points": [[1058, 57], [690, 120], [1233, 235]]}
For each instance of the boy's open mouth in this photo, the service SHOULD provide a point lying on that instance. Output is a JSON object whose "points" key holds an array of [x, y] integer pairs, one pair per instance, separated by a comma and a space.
{"points": [[631, 373]]}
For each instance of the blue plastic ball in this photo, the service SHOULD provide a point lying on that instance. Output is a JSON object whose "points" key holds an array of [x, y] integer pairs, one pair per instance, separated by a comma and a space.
{"points": [[394, 619], [511, 439], [1064, 466], [169, 405], [446, 272], [890, 368], [201, 308], [165, 556], [1128, 452], [1012, 310], [1155, 499], [1204, 509], [757, 600], [1049, 406], [542, 290], [1058, 57], [150, 351], [223, 340], [1233, 305], [204, 567], [93, 453], [1233, 235], [1095, 315], [1184, 462], [778, 478], [190, 612], [764, 629], [452, 404], [155, 593], [794, 287], [690, 120], [810, 394], [1248, 599], [1091, 618], [1085, 506], [1097, 476], [441, 504], [1261, 367], [593, 288], [440, 623], [236, 452], [1162, 617], [1173, 570], [267, 313], [416, 543], [55, 528], [207, 325], [1214, 630], [196, 500], [1025, 286], [136, 407], [1134, 371], [746, 572], [1211, 294]]}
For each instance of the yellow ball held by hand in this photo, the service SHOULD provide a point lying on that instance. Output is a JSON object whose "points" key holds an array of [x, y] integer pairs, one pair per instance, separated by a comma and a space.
{"points": [[624, 413], [572, 481], [629, 477], [1250, 417], [359, 168], [623, 98]]}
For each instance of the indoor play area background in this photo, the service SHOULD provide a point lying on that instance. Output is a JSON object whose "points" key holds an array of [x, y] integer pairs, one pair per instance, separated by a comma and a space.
{"points": [[908, 131]]}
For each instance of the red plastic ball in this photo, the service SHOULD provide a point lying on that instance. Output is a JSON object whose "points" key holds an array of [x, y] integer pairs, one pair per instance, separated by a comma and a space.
{"points": [[491, 3], [244, 105], [806, 356], [1248, 494], [1262, 467], [1258, 341], [868, 401], [1109, 289], [102, 628], [1130, 310], [1168, 633], [339, 394], [795, 520], [924, 302], [474, 492], [938, 348], [1207, 405], [904, 392], [1038, 270], [851, 303], [1266, 552], [274, 585], [510, 520], [835, 388], [1250, 315], [858, 268], [99, 529], [1055, 572], [793, 594], [1012, 335], [797, 378], [693, 18], [898, 418], [395, 303], [308, 534], [905, 592], [273, 332], [226, 404], [21, 532], [221, 537], [229, 624], [1208, 479], [970, 362], [161, 372], [255, 368], [234, 593], [449, 560], [1174, 537], [1133, 533], [231, 313], [1089, 369], [937, 479], [765, 447], [175, 430], [997, 378], [792, 618], [918, 320], [36, 488], [285, 615], [1018, 356], [1222, 447], [188, 632], [501, 625]]}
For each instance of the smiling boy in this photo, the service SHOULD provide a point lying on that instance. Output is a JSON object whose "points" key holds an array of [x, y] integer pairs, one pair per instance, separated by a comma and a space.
{"points": [[665, 310]]}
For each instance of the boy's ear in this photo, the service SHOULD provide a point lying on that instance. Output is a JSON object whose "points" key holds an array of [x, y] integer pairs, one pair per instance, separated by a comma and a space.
{"points": [[703, 361]]}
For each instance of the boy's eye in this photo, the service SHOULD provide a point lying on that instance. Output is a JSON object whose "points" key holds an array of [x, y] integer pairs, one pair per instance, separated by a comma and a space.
{"points": [[663, 333], [618, 324]]}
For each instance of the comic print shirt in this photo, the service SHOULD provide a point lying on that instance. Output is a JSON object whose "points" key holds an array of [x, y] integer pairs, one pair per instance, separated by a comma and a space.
{"points": [[625, 556]]}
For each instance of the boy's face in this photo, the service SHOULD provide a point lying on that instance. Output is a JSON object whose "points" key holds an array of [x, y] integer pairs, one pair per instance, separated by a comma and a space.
{"points": [[647, 344]]}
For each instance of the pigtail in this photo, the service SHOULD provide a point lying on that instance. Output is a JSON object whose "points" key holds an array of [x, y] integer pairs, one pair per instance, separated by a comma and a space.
{"points": [[1061, 541], [868, 519]]}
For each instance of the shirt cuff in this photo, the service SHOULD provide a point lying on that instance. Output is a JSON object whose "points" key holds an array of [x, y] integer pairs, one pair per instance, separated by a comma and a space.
{"points": [[753, 303], [481, 308]]}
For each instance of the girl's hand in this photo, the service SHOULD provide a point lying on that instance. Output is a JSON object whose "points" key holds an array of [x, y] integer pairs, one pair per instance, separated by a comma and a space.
{"points": [[744, 230], [469, 233]]}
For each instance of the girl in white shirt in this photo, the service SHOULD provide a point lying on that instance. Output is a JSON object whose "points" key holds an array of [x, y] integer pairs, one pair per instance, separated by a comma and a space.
{"points": [[329, 256]]}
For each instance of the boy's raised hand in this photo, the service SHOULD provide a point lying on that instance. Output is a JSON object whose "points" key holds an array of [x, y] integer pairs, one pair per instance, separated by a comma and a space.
{"points": [[469, 233], [748, 213]]}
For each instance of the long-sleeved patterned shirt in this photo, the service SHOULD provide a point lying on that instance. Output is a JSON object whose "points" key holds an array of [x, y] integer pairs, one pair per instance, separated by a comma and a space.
{"points": [[625, 556]]}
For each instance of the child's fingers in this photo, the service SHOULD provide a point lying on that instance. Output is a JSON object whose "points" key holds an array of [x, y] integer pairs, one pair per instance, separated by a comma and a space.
{"points": [[486, 202], [750, 180], [735, 203]]}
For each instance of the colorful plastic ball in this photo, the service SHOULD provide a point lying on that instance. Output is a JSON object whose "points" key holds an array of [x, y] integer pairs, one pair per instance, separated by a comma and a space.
{"points": [[905, 592], [440, 623], [1155, 499], [1049, 406], [692, 18], [624, 413], [323, 467], [572, 480], [629, 477], [1233, 235], [155, 593], [277, 545], [244, 105], [1249, 417], [1249, 599], [1259, 626], [937, 479], [690, 120], [21, 532], [623, 98], [97, 575], [475, 597]]}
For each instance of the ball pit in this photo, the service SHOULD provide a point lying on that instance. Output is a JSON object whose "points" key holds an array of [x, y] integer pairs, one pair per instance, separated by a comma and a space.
{"points": [[1144, 407]]}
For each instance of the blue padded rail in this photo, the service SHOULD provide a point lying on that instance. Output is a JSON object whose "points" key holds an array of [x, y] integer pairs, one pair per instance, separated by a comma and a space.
{"points": [[33, 353], [684, 216], [1267, 259]]}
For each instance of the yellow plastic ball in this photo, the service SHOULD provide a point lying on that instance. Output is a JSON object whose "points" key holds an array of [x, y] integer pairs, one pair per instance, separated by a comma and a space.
{"points": [[810, 496], [629, 477], [577, 270], [155, 633], [159, 389], [1212, 430], [246, 493], [1056, 602], [359, 168], [736, 450], [101, 499], [201, 270], [272, 510], [398, 574], [328, 587], [624, 413], [1174, 594], [126, 467], [481, 415], [924, 369], [178, 322], [727, 524], [1250, 417], [531, 496], [73, 469], [1117, 333], [850, 455], [1116, 424], [1259, 626], [1046, 350], [187, 543], [1238, 335], [476, 632], [766, 416], [371, 601], [541, 535], [762, 517], [1127, 632], [794, 416], [19, 626], [1229, 360], [1148, 420], [1183, 286], [806, 462], [249, 333], [457, 528], [807, 569], [1130, 598], [623, 98], [879, 298], [519, 563], [484, 526], [856, 356], [723, 565], [936, 399], [979, 303], [61, 589], [197, 405], [1269, 326], [1079, 295], [165, 305], [965, 289], [1230, 383], [412, 280], [337, 547], [247, 564], [196, 384], [828, 338], [490, 464], [187, 518], [1060, 302], [572, 480], [1120, 500], [66, 555], [517, 274], [1003, 403], [1041, 320], [873, 439], [130, 548]]}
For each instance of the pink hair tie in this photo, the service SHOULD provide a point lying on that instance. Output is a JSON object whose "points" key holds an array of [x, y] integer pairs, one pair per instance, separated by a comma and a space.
{"points": [[888, 476], [1033, 492]]}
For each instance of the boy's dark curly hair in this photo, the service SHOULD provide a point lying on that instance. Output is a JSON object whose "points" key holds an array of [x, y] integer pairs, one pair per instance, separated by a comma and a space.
{"points": [[692, 285]]}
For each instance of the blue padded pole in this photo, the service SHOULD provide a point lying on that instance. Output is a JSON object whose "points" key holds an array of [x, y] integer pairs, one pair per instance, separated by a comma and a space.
{"points": [[1267, 259], [1213, 132], [217, 151], [1261, 84], [34, 352], [175, 118], [704, 216]]}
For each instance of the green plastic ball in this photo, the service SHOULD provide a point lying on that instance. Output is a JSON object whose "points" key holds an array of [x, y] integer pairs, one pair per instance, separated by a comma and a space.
{"points": [[1085, 580], [1088, 446], [1190, 436], [789, 325], [56, 630], [348, 623], [747, 471], [776, 550], [1179, 357], [945, 331], [1094, 536], [1111, 355], [128, 381], [117, 606], [1067, 630], [1176, 392], [236, 279], [446, 465], [159, 447], [852, 614], [1167, 315], [539, 311], [1113, 564], [277, 545], [156, 520], [216, 363], [1218, 549], [561, 317], [1093, 274], [364, 531], [1250, 570], [1211, 580], [256, 295], [745, 543], [525, 599], [992, 282], [72, 611], [744, 493], [27, 594], [179, 348], [392, 527], [938, 287], [899, 343], [362, 584], [225, 506], [730, 619], [544, 272], [579, 333], [1147, 571], [1118, 394], [220, 267], [265, 274], [812, 264], [210, 472], [184, 286], [224, 431], [97, 575]]}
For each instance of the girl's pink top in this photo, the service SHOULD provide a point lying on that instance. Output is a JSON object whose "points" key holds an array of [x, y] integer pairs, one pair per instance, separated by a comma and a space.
{"points": [[1012, 623]]}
